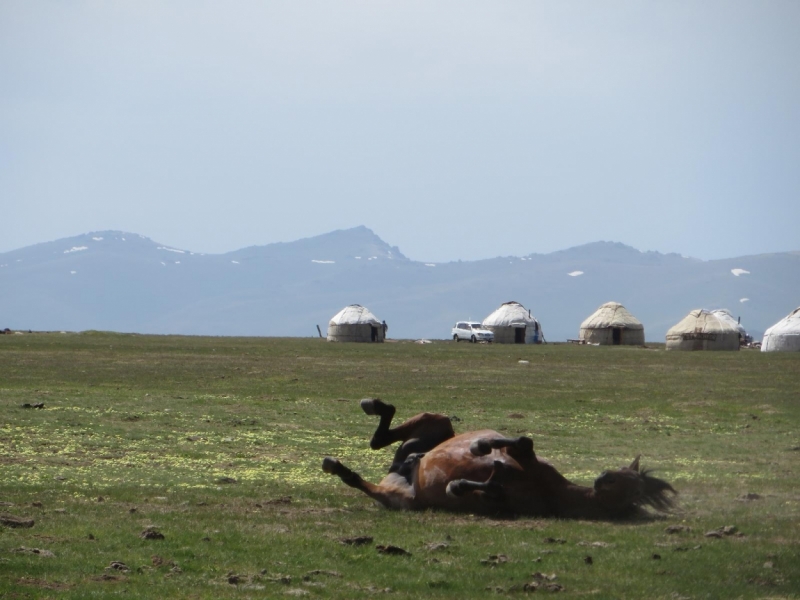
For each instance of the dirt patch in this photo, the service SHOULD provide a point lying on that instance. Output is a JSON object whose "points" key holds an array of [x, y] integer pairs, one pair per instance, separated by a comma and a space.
{"points": [[552, 540], [359, 540], [749, 497], [14, 521], [540, 582], [371, 589], [724, 531], [316, 572], [435, 546], [110, 578], [274, 501], [151, 533], [43, 584], [392, 550], [37, 551], [677, 529]]}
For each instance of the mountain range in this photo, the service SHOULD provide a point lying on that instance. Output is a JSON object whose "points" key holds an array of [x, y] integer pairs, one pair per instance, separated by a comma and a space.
{"points": [[118, 281]]}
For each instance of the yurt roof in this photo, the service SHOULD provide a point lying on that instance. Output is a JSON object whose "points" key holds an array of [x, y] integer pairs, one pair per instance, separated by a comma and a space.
{"points": [[508, 314], [790, 324], [611, 314], [354, 314], [724, 313], [703, 321]]}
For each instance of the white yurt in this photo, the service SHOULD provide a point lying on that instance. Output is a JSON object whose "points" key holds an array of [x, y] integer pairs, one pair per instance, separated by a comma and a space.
{"points": [[724, 313], [355, 323], [612, 325], [512, 323], [703, 330], [784, 336]]}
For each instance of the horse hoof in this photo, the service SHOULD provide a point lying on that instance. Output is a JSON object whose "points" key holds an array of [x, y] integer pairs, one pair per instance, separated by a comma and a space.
{"points": [[525, 444], [376, 407], [455, 489], [368, 406], [329, 465], [480, 447]]}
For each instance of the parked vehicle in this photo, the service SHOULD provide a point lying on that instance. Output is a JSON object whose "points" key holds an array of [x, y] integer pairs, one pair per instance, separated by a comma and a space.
{"points": [[474, 332]]}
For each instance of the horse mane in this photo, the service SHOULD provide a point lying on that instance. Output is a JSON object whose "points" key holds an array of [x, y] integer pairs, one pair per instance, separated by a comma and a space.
{"points": [[656, 492]]}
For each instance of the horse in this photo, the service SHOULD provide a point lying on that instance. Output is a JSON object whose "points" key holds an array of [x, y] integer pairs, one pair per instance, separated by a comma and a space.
{"points": [[483, 472]]}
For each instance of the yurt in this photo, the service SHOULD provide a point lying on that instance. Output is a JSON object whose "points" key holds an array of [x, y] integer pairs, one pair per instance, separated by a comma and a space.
{"points": [[784, 336], [612, 325], [725, 314], [703, 330], [512, 323], [355, 323]]}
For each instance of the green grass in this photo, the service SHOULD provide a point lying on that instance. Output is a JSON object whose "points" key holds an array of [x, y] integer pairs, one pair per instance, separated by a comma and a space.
{"points": [[141, 431]]}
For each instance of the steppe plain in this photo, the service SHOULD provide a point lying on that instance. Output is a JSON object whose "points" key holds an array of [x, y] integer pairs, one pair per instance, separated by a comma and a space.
{"points": [[189, 467]]}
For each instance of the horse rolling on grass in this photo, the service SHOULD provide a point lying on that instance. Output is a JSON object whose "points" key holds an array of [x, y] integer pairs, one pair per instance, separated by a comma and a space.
{"points": [[484, 472]]}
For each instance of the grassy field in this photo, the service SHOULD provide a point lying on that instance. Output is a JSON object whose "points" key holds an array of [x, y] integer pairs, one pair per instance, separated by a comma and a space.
{"points": [[216, 444]]}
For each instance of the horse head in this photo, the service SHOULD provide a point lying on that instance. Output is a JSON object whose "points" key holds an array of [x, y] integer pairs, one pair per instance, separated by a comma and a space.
{"points": [[623, 491]]}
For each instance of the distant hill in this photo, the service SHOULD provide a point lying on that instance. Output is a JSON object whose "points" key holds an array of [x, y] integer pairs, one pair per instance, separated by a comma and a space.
{"points": [[118, 281]]}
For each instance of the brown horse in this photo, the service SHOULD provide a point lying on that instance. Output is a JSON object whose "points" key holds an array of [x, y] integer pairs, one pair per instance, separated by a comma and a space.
{"points": [[483, 472]]}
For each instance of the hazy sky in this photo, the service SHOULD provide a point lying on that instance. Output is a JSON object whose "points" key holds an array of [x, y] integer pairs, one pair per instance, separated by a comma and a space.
{"points": [[453, 129]]}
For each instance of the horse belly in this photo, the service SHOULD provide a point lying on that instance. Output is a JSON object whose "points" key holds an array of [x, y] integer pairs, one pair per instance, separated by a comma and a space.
{"points": [[443, 465], [399, 493]]}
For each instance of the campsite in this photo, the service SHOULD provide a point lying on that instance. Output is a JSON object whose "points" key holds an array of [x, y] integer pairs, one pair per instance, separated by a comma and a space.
{"points": [[190, 467]]}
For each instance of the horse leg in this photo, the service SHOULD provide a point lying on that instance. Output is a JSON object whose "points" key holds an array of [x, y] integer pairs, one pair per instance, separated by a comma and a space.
{"points": [[383, 435], [492, 489], [418, 435], [520, 448], [396, 494]]}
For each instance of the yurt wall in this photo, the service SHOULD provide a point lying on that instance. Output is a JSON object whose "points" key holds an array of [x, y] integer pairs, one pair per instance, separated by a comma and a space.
{"points": [[356, 323], [612, 325], [613, 336], [360, 332], [701, 330], [512, 323], [784, 336]]}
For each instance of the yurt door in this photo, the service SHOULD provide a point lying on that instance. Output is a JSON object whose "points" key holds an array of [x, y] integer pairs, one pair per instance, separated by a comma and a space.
{"points": [[374, 333], [616, 336], [519, 335]]}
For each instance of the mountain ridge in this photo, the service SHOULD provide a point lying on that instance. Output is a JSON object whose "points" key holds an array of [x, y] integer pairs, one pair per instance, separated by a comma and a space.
{"points": [[365, 233], [124, 281]]}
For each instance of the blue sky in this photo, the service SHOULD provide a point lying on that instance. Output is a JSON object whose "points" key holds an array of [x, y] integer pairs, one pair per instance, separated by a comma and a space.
{"points": [[453, 129]]}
